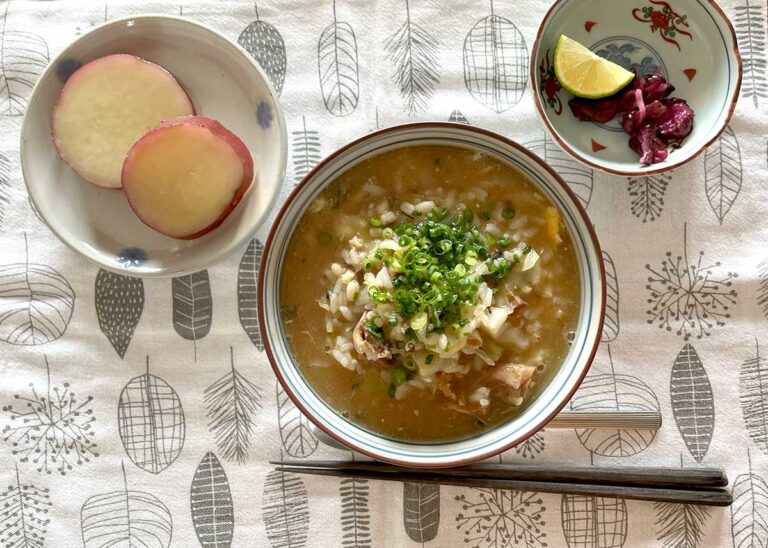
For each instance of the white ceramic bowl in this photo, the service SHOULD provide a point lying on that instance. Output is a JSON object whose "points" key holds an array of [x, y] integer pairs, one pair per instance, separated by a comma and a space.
{"points": [[224, 83], [690, 41], [553, 397]]}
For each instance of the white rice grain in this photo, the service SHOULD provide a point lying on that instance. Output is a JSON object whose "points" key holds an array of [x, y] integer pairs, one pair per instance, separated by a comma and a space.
{"points": [[353, 288]]}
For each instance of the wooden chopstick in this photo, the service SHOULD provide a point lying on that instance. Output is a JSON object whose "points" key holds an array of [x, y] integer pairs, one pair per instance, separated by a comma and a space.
{"points": [[702, 493], [627, 476]]}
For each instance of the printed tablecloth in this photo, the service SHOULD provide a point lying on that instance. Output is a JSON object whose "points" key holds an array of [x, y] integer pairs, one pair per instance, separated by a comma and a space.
{"points": [[144, 413]]}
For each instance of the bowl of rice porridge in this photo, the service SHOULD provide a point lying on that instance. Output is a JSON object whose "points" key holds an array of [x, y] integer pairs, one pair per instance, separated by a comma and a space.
{"points": [[431, 294]]}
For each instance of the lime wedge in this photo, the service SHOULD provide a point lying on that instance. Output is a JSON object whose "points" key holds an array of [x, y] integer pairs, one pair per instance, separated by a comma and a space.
{"points": [[586, 74]]}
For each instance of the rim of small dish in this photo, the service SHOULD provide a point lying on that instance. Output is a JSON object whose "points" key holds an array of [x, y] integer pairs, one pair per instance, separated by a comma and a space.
{"points": [[225, 251], [588, 354], [634, 172]]}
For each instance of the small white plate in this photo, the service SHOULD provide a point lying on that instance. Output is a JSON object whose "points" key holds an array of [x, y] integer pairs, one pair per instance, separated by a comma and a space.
{"points": [[224, 83], [691, 42]]}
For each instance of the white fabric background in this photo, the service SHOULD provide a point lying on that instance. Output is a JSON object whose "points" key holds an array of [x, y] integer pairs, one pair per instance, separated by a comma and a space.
{"points": [[84, 358]]}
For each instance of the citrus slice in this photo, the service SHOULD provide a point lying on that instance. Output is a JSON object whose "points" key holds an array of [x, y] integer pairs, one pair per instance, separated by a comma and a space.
{"points": [[586, 74]]}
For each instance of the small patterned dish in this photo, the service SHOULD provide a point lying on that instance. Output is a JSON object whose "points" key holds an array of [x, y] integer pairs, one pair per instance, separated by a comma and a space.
{"points": [[691, 42], [552, 398], [224, 83]]}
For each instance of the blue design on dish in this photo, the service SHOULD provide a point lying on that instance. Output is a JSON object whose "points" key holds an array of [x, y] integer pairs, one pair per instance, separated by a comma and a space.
{"points": [[67, 68], [264, 115], [632, 54], [132, 257]]}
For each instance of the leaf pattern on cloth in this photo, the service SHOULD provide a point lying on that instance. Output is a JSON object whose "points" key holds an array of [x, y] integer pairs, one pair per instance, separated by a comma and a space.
{"points": [[265, 44], [611, 325], [457, 117], [213, 514], [151, 422], [285, 509], [749, 511], [647, 195], [305, 150], [749, 22], [295, 433], [680, 525], [753, 395], [23, 58], [119, 303], [231, 405], [36, 303], [247, 287], [125, 518], [421, 511], [355, 513], [594, 522], [490, 518], [337, 67], [578, 176], [762, 289], [693, 404], [722, 173], [5, 187], [495, 63], [413, 52], [614, 392], [24, 517], [192, 306]]}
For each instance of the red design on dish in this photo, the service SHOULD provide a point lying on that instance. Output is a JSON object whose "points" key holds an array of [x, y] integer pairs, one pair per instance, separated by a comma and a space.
{"points": [[588, 25], [597, 147], [669, 23], [690, 73], [549, 86]]}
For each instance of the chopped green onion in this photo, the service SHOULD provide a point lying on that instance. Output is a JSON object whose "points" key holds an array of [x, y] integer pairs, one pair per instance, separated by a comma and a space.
{"points": [[398, 376], [503, 242], [508, 213], [526, 250], [419, 321], [429, 359], [375, 222]]}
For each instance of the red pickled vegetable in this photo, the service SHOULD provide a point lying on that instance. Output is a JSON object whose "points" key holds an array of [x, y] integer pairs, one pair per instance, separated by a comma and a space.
{"points": [[653, 120]]}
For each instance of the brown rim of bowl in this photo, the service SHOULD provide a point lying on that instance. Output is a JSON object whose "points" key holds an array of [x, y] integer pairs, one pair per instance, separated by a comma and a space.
{"points": [[634, 172], [300, 186]]}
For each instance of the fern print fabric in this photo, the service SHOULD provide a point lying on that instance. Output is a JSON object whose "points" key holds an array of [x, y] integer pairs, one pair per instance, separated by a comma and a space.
{"points": [[145, 412]]}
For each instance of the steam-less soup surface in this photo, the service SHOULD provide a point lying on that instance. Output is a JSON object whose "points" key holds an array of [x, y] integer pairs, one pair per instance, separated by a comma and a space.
{"points": [[429, 293]]}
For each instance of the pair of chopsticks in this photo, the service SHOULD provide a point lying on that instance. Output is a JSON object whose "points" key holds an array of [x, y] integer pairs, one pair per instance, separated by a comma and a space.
{"points": [[703, 486]]}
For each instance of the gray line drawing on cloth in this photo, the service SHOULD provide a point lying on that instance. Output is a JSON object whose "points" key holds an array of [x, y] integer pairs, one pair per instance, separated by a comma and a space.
{"points": [[231, 404], [210, 500], [688, 296], [119, 303], [125, 518], [53, 429], [646, 195], [24, 519], [36, 303], [247, 283], [693, 404], [337, 67], [192, 306], [264, 43], [151, 422], [749, 22], [594, 522], [495, 62], [722, 173], [421, 511], [414, 54]]}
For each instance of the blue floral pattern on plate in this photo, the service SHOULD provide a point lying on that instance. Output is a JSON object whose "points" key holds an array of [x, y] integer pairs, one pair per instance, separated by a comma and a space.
{"points": [[130, 257], [632, 54], [67, 68], [264, 115]]}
